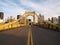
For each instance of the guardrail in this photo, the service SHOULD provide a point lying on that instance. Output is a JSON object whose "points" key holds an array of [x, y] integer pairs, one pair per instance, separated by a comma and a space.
{"points": [[10, 25], [50, 26]]}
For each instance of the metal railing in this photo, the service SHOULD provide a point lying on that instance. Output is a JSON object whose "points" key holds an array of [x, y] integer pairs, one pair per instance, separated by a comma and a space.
{"points": [[49, 26], [11, 25]]}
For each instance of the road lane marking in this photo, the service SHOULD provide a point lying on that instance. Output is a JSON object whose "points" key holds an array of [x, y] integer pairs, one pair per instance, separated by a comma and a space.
{"points": [[30, 40]]}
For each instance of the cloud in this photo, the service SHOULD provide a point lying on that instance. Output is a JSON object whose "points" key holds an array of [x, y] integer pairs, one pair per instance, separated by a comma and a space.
{"points": [[49, 8], [11, 9]]}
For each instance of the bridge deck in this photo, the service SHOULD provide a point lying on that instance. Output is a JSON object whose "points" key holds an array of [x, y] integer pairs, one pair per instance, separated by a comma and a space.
{"points": [[19, 36]]}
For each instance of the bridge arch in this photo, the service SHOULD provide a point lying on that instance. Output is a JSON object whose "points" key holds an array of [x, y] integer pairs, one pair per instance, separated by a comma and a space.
{"points": [[33, 14]]}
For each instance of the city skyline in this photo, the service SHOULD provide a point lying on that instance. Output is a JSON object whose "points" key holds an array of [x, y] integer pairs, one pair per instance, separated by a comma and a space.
{"points": [[48, 8]]}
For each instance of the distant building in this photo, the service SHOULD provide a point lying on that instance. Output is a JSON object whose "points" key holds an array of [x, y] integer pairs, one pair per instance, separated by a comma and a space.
{"points": [[59, 19], [18, 16], [22, 20], [49, 19], [40, 18], [10, 19], [1, 15], [54, 20]]}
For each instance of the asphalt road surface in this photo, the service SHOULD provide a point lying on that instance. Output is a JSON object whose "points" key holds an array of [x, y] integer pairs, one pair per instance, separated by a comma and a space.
{"points": [[45, 37], [19, 36]]}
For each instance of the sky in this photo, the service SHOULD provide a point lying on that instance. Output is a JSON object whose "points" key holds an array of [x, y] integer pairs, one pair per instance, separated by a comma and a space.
{"points": [[48, 8]]}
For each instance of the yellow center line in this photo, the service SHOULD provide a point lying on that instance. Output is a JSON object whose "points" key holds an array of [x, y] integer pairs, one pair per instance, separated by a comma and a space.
{"points": [[30, 40]]}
